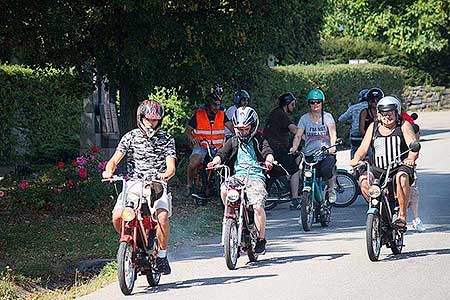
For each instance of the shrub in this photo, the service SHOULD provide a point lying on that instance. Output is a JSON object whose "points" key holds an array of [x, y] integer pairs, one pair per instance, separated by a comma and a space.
{"points": [[40, 113]]}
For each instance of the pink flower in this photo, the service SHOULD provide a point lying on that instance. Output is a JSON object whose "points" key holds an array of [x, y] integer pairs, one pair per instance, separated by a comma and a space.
{"points": [[61, 164], [74, 163], [48, 207], [81, 161], [2, 194], [82, 173], [58, 191], [70, 182], [101, 166], [95, 149], [23, 184]]}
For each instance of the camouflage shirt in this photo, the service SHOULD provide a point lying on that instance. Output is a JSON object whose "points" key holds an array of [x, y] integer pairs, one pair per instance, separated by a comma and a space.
{"points": [[146, 157]]}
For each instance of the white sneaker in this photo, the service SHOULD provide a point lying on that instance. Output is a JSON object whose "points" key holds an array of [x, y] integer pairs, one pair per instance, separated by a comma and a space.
{"points": [[331, 195], [418, 225]]}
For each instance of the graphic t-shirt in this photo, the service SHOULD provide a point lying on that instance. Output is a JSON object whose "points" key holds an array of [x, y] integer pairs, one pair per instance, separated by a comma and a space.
{"points": [[146, 157], [246, 154], [315, 133]]}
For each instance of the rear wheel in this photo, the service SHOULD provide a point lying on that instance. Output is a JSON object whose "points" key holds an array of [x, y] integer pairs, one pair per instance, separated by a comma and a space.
{"points": [[275, 193], [373, 236], [306, 211], [126, 270], [346, 187], [231, 246]]}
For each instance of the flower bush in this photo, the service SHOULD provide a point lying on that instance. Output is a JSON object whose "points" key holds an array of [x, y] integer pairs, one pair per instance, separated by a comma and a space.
{"points": [[74, 186]]}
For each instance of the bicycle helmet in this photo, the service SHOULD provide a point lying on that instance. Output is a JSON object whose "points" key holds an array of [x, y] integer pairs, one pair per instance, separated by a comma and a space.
{"points": [[217, 91], [240, 95], [149, 109], [362, 96], [315, 94], [286, 99], [374, 94], [389, 103], [243, 117]]}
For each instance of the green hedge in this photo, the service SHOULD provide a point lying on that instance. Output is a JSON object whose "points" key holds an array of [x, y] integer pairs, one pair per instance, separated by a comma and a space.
{"points": [[340, 83], [40, 113]]}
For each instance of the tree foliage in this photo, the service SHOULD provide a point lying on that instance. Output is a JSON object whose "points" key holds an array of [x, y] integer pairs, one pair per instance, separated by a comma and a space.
{"points": [[419, 29], [141, 44]]}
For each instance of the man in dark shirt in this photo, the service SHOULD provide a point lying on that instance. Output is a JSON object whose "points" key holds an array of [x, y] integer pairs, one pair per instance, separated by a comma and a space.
{"points": [[276, 132]]}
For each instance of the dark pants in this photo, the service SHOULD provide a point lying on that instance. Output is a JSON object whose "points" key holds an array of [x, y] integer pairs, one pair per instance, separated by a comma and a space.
{"points": [[325, 168]]}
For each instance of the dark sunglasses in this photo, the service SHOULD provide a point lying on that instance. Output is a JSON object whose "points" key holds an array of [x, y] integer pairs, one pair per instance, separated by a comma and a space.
{"points": [[314, 102]]}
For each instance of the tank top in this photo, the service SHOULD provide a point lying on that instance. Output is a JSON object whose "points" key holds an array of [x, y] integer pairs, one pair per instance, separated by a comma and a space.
{"points": [[369, 119], [386, 148]]}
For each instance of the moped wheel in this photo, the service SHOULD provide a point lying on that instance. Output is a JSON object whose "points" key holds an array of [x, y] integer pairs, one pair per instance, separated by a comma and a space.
{"points": [[275, 192], [346, 187], [397, 242], [252, 256], [231, 247], [126, 270], [325, 215], [373, 236], [153, 276], [306, 211]]}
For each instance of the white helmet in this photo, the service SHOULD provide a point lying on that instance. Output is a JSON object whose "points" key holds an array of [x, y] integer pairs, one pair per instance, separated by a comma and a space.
{"points": [[389, 103], [242, 117]]}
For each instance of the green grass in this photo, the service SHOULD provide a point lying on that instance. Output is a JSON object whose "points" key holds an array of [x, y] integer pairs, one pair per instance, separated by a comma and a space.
{"points": [[44, 249]]}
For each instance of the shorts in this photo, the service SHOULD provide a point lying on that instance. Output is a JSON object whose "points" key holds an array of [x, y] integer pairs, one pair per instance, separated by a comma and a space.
{"points": [[199, 150], [287, 161], [161, 198], [378, 173], [256, 191], [326, 168]]}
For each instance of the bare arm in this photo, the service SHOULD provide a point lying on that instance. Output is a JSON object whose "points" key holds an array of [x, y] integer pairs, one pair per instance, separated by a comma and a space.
{"points": [[170, 172], [292, 128], [189, 132], [112, 164], [410, 136], [297, 139], [362, 121], [364, 147], [333, 137]]}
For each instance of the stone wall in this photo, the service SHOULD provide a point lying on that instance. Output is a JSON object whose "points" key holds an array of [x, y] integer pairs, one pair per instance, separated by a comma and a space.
{"points": [[426, 98]]}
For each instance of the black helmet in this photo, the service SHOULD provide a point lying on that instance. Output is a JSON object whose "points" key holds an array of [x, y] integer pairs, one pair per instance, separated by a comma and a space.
{"points": [[285, 99], [217, 91], [374, 94], [240, 95]]}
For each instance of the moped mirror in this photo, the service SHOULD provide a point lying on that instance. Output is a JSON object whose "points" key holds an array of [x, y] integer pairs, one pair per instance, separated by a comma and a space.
{"points": [[339, 141], [414, 116], [414, 146]]}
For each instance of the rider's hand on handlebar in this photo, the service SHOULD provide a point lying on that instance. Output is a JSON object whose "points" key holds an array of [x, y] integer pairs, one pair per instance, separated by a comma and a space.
{"points": [[292, 150], [194, 141], [107, 174], [354, 162], [211, 164], [269, 165], [409, 162], [332, 150], [163, 176]]}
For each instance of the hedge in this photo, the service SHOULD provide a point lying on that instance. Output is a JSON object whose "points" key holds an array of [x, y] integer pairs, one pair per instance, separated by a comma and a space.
{"points": [[340, 83], [40, 113]]}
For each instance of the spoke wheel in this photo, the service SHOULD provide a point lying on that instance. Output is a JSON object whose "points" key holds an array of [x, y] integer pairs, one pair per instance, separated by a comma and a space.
{"points": [[397, 243], [153, 276], [306, 211], [373, 236], [231, 247], [275, 193], [325, 215], [126, 270], [346, 187]]}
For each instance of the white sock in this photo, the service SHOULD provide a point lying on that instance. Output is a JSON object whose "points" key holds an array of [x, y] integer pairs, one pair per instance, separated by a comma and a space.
{"points": [[162, 253]]}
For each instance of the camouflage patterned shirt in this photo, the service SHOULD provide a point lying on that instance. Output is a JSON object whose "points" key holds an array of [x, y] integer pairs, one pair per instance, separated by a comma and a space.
{"points": [[146, 157]]}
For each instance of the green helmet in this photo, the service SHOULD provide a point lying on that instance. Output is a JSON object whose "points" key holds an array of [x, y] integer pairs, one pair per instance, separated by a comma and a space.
{"points": [[315, 94]]}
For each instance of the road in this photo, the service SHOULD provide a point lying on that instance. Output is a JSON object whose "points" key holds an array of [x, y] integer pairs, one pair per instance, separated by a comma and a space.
{"points": [[327, 263]]}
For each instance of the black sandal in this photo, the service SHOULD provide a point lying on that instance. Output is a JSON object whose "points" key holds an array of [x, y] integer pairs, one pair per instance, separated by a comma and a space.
{"points": [[400, 225]]}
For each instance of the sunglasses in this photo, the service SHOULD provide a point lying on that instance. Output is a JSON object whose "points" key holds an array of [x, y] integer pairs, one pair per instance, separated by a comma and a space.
{"points": [[314, 102], [390, 113]]}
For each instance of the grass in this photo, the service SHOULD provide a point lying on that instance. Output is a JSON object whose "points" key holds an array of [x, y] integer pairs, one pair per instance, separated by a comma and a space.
{"points": [[39, 253]]}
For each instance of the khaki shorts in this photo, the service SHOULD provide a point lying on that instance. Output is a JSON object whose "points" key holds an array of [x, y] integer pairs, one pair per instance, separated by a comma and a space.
{"points": [[134, 191], [256, 191]]}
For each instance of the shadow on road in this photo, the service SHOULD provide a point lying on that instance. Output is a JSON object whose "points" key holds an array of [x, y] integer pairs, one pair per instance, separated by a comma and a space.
{"points": [[202, 282], [420, 253], [426, 132]]}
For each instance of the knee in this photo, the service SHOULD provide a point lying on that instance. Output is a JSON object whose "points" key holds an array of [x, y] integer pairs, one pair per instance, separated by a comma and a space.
{"points": [[403, 180], [117, 215], [259, 211], [163, 217]]}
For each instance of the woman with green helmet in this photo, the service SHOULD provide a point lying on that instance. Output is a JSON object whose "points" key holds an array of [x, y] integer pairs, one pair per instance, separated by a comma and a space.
{"points": [[318, 129]]}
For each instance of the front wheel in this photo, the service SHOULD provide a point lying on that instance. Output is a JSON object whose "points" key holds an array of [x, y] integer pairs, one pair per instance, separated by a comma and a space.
{"points": [[126, 270], [231, 246], [397, 242], [153, 275], [373, 236], [307, 211], [325, 215], [346, 187]]}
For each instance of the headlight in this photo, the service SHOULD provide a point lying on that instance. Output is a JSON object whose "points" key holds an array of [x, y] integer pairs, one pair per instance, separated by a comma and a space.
{"points": [[128, 214], [375, 202], [232, 196], [374, 191], [308, 174]]}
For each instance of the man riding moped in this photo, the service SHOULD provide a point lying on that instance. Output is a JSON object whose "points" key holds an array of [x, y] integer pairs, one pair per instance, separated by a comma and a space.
{"points": [[151, 153], [389, 137]]}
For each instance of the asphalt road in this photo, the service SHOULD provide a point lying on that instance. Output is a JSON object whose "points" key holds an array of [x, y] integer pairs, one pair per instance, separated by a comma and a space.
{"points": [[327, 263]]}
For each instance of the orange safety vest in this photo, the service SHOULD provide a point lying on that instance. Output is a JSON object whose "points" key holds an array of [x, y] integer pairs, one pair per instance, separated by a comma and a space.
{"points": [[216, 134]]}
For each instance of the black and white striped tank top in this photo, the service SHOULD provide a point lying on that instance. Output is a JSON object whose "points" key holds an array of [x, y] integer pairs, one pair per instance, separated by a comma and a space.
{"points": [[386, 148]]}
